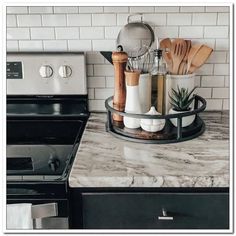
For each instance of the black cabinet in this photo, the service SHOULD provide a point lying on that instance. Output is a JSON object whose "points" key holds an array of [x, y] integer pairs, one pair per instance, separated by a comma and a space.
{"points": [[154, 210]]}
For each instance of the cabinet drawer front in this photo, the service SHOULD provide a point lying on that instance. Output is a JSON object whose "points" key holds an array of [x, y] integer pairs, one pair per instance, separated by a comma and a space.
{"points": [[155, 210]]}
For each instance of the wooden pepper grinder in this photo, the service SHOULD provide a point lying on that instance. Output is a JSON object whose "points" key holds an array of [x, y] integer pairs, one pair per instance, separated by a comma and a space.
{"points": [[119, 60]]}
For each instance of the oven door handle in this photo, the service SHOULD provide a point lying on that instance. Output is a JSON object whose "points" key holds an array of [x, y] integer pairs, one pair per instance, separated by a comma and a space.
{"points": [[44, 210]]}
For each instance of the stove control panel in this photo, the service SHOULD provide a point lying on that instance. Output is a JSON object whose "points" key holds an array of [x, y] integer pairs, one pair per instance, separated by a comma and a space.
{"points": [[46, 73]]}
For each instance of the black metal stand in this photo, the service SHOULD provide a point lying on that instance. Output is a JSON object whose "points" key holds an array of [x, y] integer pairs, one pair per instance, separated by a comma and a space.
{"points": [[170, 133]]}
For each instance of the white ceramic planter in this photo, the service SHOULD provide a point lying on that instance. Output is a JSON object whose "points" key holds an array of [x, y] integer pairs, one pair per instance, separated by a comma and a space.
{"points": [[186, 121], [152, 125], [173, 81], [145, 90]]}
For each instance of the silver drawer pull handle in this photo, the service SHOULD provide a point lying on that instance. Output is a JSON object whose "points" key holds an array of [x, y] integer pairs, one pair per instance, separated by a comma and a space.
{"points": [[44, 210], [164, 216]]}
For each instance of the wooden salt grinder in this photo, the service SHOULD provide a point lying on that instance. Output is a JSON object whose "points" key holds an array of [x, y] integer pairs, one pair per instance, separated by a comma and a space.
{"points": [[119, 60]]}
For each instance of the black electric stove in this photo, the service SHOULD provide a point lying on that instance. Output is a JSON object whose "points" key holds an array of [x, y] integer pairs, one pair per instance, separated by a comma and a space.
{"points": [[47, 110]]}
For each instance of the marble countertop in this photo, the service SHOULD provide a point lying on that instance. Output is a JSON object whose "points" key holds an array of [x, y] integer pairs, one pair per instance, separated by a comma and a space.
{"points": [[103, 160]]}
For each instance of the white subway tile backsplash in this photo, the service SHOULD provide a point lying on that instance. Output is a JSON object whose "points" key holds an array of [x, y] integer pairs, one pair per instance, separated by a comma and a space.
{"points": [[204, 92], [17, 10], [141, 9], [11, 21], [208, 42], [179, 19], [30, 45], [214, 104], [167, 31], [55, 45], [217, 57], [206, 69], [191, 32], [39, 9], [18, 33], [72, 9], [103, 93], [221, 69], [220, 93], [116, 9], [109, 82], [96, 82], [226, 104], [212, 81], [89, 70], [79, 20], [91, 94], [104, 45], [54, 20], [166, 9], [227, 81], [67, 33], [217, 9], [42, 33], [91, 32], [204, 18], [155, 19], [80, 45], [216, 32], [94, 29], [112, 32], [103, 19], [94, 58], [228, 57], [122, 19], [97, 105], [192, 9], [103, 70], [29, 20], [223, 19], [91, 9], [12, 46]]}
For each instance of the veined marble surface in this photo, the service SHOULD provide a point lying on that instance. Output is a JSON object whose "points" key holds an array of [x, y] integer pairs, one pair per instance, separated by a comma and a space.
{"points": [[103, 160]]}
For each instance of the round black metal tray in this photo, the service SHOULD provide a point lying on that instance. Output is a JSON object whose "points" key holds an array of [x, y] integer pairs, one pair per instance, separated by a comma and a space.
{"points": [[169, 134]]}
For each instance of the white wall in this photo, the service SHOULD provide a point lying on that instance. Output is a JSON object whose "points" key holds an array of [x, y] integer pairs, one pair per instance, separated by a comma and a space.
{"points": [[95, 28]]}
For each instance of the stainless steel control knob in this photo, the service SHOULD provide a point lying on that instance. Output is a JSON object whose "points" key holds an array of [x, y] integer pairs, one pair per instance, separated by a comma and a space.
{"points": [[65, 71], [45, 71]]}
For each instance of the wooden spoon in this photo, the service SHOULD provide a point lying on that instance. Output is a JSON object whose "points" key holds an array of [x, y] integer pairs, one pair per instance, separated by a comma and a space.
{"points": [[178, 50], [200, 58], [183, 64], [165, 44], [193, 50]]}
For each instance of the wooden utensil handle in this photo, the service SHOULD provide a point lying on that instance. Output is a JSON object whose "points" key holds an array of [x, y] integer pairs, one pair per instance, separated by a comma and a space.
{"points": [[119, 61]]}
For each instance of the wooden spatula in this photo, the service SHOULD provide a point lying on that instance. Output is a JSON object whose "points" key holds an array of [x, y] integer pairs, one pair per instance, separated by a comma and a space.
{"points": [[178, 50], [193, 50], [200, 58]]}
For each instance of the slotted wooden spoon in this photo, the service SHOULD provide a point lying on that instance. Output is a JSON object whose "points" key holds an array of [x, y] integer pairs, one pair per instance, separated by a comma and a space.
{"points": [[178, 51], [183, 64]]}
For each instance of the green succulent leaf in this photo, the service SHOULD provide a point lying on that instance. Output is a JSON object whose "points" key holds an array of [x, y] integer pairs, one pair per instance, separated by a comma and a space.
{"points": [[181, 98]]}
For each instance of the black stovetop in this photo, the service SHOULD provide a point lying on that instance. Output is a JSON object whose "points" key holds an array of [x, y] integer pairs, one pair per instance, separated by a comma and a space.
{"points": [[43, 136]]}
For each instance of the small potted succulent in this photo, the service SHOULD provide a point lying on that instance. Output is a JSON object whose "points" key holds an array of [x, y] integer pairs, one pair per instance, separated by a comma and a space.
{"points": [[181, 101]]}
